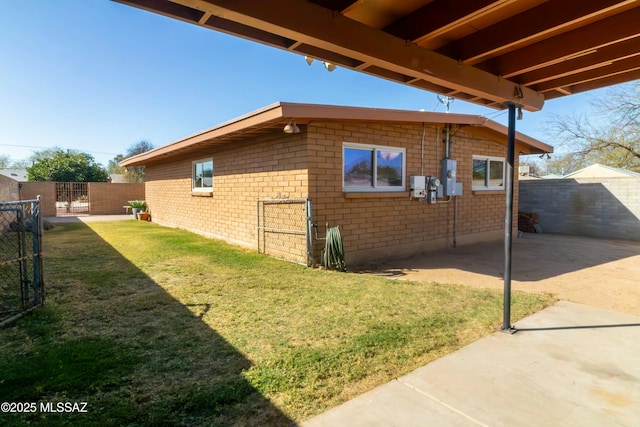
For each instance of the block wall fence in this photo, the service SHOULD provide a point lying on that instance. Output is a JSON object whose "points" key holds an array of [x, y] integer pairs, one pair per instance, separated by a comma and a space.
{"points": [[9, 189], [597, 207], [104, 198]]}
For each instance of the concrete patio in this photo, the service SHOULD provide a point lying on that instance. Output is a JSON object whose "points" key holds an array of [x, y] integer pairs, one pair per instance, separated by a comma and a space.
{"points": [[597, 272], [568, 365], [572, 364]]}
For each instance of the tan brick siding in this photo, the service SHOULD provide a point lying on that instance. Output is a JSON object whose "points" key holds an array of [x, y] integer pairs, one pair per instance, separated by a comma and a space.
{"points": [[310, 163], [267, 167], [8, 189], [30, 190], [108, 198], [394, 224], [104, 198]]}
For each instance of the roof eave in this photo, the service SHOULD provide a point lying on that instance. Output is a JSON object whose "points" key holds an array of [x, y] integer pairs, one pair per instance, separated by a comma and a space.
{"points": [[305, 113]]}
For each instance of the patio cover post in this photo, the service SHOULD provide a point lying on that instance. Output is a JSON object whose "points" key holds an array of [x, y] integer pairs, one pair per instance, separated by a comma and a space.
{"points": [[508, 220]]}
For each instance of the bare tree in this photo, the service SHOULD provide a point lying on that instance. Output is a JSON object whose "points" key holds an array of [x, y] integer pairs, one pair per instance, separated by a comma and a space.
{"points": [[611, 136], [132, 173]]}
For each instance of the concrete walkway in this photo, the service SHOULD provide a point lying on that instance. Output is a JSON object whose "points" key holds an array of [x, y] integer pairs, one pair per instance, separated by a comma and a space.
{"points": [[88, 218], [568, 365]]}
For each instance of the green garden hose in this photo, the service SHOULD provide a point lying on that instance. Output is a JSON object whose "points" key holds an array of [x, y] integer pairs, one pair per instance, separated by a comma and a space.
{"points": [[333, 255]]}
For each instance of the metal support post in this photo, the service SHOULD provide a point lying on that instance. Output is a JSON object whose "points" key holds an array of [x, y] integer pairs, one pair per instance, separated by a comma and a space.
{"points": [[508, 220]]}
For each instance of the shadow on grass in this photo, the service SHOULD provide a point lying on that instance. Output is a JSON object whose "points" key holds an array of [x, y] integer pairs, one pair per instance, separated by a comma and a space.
{"points": [[110, 336]]}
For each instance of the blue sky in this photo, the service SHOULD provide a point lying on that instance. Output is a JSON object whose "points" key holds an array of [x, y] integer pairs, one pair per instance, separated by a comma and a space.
{"points": [[98, 76]]}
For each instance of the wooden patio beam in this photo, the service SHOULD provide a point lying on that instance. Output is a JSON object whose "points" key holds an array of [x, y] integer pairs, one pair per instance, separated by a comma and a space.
{"points": [[618, 67], [316, 26], [549, 17], [439, 16], [615, 29], [595, 59]]}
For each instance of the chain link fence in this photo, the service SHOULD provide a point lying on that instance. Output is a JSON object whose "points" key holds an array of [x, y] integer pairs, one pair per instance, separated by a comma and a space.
{"points": [[21, 262], [284, 229]]}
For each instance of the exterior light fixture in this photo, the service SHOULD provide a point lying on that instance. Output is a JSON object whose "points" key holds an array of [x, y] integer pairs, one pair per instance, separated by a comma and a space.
{"points": [[519, 113], [291, 127], [329, 66]]}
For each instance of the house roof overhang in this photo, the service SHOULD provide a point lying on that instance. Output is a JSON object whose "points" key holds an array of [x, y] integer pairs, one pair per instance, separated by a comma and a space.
{"points": [[489, 52], [273, 118]]}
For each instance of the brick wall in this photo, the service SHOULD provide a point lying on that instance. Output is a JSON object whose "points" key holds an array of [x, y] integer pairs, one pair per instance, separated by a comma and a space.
{"points": [[598, 207], [8, 189], [375, 226], [47, 190], [108, 198], [280, 165], [272, 166]]}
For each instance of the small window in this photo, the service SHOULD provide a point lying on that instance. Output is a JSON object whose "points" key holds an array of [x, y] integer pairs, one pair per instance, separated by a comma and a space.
{"points": [[488, 173], [372, 168], [202, 175]]}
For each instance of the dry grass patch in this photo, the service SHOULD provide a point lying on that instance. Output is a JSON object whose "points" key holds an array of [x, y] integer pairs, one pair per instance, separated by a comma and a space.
{"points": [[189, 331]]}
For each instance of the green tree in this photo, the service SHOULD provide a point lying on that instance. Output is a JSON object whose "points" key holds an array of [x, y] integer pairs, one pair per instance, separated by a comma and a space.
{"points": [[56, 164], [611, 136], [113, 167]]}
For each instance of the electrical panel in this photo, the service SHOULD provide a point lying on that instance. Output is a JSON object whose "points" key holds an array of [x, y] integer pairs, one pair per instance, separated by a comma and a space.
{"points": [[432, 189], [449, 184], [418, 186]]}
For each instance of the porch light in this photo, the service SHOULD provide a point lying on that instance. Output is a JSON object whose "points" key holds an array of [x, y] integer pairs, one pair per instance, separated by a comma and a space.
{"points": [[329, 66], [291, 127]]}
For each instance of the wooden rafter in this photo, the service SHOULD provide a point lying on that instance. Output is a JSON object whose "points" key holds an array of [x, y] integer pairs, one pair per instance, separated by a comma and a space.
{"points": [[483, 51]]}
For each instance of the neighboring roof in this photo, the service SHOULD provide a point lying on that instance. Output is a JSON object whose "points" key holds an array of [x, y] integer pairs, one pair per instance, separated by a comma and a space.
{"points": [[601, 171], [19, 175], [490, 52], [274, 117]]}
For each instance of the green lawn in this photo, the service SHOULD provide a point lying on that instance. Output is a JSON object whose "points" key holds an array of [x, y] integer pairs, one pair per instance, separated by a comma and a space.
{"points": [[156, 326]]}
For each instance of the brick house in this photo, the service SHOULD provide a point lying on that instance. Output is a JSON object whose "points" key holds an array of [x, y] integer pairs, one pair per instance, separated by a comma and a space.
{"points": [[353, 164]]}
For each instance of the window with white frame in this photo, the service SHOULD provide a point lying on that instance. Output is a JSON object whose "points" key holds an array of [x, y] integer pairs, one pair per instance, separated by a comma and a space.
{"points": [[488, 173], [202, 175], [373, 167]]}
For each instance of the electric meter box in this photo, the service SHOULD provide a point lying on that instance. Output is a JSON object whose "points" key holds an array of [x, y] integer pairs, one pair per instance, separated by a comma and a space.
{"points": [[418, 185], [449, 184]]}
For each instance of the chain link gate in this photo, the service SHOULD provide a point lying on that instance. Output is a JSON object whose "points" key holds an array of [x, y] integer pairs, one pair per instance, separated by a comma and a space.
{"points": [[21, 261], [284, 229]]}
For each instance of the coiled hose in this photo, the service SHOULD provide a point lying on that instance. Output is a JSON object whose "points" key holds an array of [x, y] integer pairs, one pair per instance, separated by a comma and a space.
{"points": [[333, 255]]}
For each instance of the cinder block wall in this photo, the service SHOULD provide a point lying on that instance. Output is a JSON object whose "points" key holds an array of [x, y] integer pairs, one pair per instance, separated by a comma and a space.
{"points": [[108, 199], [598, 207], [374, 225], [270, 166], [47, 190], [8, 189]]}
